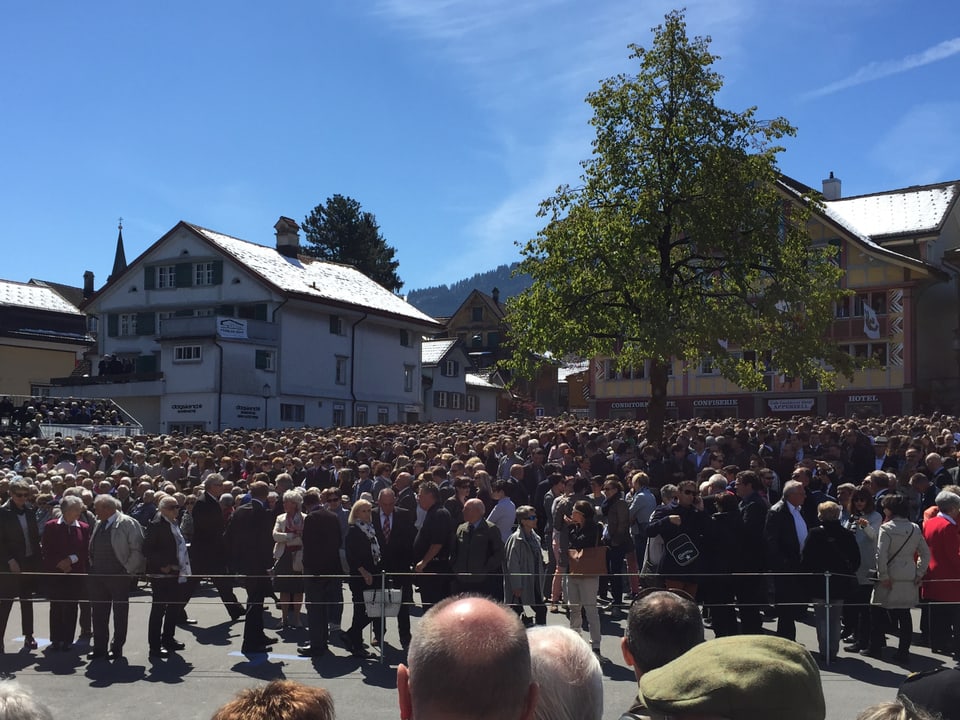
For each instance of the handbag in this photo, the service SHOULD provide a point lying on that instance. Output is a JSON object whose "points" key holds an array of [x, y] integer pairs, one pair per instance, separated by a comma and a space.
{"points": [[682, 549], [873, 574], [588, 561], [382, 603]]}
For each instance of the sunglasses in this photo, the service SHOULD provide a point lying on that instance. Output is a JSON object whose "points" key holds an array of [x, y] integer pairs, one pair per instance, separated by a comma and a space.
{"points": [[690, 492], [532, 517]]}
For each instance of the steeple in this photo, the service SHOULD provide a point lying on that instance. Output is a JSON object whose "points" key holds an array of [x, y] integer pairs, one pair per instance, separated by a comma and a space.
{"points": [[120, 258]]}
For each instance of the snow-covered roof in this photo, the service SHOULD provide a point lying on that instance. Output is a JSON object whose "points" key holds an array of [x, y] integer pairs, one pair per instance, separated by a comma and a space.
{"points": [[34, 296], [909, 211], [432, 351], [571, 369], [325, 280], [483, 381]]}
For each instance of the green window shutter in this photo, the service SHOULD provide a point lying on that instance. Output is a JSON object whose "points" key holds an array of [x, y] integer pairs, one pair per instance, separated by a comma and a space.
{"points": [[113, 325], [184, 273], [456, 368], [334, 324], [149, 278], [146, 323], [436, 398], [218, 272], [261, 360], [260, 312], [147, 363]]}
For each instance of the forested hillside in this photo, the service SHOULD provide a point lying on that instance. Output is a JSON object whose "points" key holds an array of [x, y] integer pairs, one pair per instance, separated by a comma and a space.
{"points": [[443, 300]]}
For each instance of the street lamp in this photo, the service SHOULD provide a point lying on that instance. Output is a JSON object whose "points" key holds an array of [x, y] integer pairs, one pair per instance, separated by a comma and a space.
{"points": [[266, 396]]}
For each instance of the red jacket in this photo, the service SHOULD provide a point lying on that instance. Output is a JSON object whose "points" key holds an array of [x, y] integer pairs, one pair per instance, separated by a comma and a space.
{"points": [[942, 581]]}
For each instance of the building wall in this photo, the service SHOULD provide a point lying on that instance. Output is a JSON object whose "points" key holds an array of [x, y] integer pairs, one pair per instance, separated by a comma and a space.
{"points": [[23, 365]]}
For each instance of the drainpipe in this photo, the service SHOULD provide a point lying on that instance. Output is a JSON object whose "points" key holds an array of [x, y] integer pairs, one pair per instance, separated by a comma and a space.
{"points": [[219, 387], [353, 374]]}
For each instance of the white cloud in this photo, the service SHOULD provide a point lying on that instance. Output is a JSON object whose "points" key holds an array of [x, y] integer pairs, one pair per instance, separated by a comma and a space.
{"points": [[876, 70]]}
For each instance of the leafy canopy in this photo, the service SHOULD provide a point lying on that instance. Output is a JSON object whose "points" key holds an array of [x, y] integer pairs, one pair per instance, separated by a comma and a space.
{"points": [[340, 231], [679, 242]]}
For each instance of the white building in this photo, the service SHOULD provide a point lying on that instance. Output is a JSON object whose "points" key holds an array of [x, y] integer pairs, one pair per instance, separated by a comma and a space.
{"points": [[214, 332], [451, 391]]}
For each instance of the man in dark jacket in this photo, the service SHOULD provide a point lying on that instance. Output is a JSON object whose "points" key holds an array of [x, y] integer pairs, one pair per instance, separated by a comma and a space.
{"points": [[395, 533], [785, 532], [207, 550], [477, 554], [431, 547], [249, 541], [322, 538], [20, 551], [751, 589]]}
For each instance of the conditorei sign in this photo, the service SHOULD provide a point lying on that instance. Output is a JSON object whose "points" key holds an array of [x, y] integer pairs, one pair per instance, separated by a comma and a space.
{"points": [[791, 404], [638, 404]]}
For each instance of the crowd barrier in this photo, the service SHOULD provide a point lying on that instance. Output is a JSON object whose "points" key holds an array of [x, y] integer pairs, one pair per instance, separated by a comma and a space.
{"points": [[386, 603]]}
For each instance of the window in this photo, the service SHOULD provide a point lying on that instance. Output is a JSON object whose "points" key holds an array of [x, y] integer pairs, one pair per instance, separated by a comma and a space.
{"points": [[127, 324], [265, 360], [810, 384], [860, 350], [360, 415], [476, 340], [408, 371], [340, 375], [706, 366], [291, 413], [440, 399], [451, 368], [336, 325], [476, 313], [493, 340], [383, 415], [203, 312], [166, 276], [252, 312], [473, 403], [878, 351], [456, 401], [203, 273], [338, 414], [405, 338], [187, 353], [842, 308]]}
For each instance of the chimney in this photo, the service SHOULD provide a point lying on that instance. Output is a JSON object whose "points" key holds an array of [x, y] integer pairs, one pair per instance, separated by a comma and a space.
{"points": [[495, 294], [87, 284], [288, 237], [831, 188]]}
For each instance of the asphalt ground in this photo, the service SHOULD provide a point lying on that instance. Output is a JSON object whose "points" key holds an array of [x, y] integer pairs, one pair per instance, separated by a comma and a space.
{"points": [[211, 669]]}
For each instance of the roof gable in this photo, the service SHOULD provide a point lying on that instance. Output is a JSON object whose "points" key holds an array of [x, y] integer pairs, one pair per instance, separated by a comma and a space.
{"points": [[911, 211], [432, 352]]}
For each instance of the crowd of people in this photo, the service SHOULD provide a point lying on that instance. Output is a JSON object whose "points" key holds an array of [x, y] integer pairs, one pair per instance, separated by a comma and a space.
{"points": [[751, 518], [27, 416]]}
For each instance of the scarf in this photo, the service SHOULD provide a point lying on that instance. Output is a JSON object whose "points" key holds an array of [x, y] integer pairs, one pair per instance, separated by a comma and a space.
{"points": [[371, 534]]}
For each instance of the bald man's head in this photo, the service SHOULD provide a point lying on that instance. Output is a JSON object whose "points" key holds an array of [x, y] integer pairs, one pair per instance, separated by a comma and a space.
{"points": [[480, 650], [473, 510]]}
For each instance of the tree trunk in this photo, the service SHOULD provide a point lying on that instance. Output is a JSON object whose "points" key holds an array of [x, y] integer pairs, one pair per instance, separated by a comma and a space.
{"points": [[657, 409]]}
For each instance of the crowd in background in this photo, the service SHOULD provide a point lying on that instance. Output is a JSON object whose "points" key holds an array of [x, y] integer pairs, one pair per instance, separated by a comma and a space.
{"points": [[746, 515]]}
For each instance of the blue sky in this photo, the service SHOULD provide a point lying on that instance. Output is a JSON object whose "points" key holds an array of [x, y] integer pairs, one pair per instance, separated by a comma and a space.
{"points": [[450, 120]]}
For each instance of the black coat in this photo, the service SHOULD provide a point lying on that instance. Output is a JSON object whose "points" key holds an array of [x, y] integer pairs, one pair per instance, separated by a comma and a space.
{"points": [[693, 524], [160, 546], [321, 543], [359, 552], [13, 545], [207, 549], [397, 554], [831, 548], [249, 539]]}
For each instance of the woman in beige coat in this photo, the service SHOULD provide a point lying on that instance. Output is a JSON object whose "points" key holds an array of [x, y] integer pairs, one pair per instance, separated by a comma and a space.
{"points": [[902, 560]]}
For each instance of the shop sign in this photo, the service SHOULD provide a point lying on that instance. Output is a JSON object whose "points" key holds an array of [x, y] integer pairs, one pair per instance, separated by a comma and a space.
{"points": [[791, 404], [248, 412], [187, 409], [233, 328], [719, 402]]}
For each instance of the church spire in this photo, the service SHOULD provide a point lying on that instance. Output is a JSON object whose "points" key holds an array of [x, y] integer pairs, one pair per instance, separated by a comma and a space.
{"points": [[120, 258]]}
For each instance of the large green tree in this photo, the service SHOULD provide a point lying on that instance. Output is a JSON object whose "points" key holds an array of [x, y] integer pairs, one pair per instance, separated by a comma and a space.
{"points": [[678, 243], [339, 230]]}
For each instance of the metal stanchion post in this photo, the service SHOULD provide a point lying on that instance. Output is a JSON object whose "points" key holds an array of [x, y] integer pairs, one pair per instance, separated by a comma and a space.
{"points": [[383, 617], [826, 609]]}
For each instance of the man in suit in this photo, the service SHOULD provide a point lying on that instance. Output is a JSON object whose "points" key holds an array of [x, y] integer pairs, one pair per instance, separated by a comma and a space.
{"points": [[116, 554], [21, 558], [65, 545], [322, 538], [477, 555], [751, 589], [431, 546], [249, 541], [207, 550], [395, 533], [785, 532], [406, 497]]}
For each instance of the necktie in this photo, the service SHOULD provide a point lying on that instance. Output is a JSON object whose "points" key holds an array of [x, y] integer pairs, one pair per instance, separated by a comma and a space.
{"points": [[386, 528]]}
